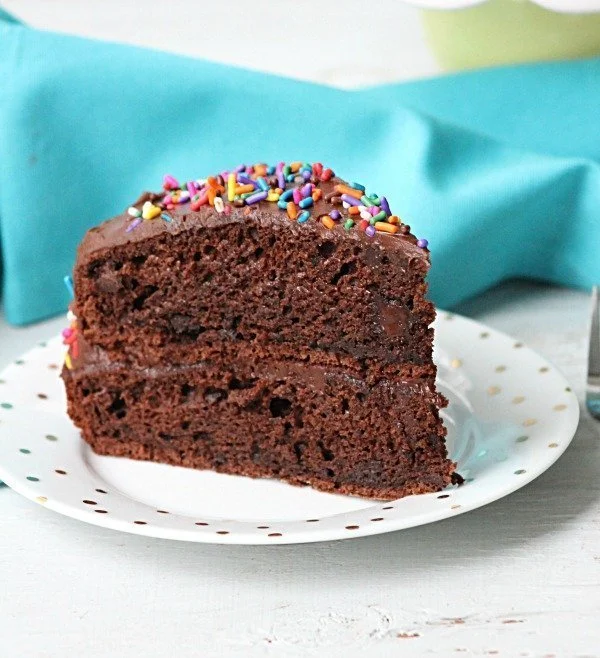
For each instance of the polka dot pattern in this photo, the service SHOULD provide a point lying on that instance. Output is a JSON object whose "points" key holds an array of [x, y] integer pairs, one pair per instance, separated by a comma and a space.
{"points": [[505, 381]]}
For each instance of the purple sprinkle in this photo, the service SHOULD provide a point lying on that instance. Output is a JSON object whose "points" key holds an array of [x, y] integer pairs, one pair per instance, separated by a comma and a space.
{"points": [[422, 243], [255, 198], [224, 175], [239, 169], [373, 210], [191, 186], [306, 174], [385, 205], [279, 167], [136, 222], [335, 215], [281, 180], [242, 178], [351, 200], [297, 195], [184, 197], [307, 190], [370, 231]]}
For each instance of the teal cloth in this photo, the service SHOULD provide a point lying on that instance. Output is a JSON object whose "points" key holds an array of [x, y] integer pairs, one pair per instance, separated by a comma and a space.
{"points": [[499, 169]]}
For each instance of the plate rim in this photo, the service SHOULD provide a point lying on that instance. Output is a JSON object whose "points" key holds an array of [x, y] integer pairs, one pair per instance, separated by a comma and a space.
{"points": [[312, 532]]}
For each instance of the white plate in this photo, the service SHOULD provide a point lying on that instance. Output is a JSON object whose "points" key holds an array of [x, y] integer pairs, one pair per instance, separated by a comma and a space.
{"points": [[511, 416]]}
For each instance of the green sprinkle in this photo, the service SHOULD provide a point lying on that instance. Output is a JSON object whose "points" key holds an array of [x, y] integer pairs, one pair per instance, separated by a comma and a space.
{"points": [[348, 224], [380, 217], [6, 405], [370, 201]]}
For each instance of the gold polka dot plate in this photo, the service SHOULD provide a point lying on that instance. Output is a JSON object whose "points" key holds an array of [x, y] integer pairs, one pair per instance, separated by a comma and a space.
{"points": [[511, 416]]}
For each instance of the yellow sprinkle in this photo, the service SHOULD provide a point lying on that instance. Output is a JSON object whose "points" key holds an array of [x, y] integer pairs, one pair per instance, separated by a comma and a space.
{"points": [[211, 196], [317, 194], [394, 219], [292, 210], [272, 196], [327, 221], [150, 211], [231, 185], [385, 227], [68, 362], [244, 189]]}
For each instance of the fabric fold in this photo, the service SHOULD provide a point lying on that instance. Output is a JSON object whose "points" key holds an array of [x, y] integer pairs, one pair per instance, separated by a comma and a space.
{"points": [[499, 191]]}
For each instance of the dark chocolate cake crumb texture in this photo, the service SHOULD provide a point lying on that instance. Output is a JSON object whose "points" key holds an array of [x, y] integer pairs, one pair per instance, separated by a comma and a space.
{"points": [[266, 321]]}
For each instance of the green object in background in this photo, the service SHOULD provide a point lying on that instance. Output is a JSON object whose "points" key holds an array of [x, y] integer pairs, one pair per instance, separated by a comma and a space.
{"points": [[508, 31]]}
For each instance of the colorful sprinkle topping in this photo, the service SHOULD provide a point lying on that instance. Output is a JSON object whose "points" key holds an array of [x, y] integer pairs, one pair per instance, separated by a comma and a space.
{"points": [[69, 336], [294, 187]]}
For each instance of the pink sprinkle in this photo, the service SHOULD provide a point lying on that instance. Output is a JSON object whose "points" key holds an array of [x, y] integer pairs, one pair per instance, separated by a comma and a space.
{"points": [[170, 206], [373, 210], [67, 333], [227, 209], [170, 183], [297, 195], [168, 199], [191, 188]]}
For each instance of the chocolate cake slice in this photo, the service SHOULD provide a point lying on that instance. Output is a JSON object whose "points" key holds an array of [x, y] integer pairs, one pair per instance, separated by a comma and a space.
{"points": [[268, 322]]}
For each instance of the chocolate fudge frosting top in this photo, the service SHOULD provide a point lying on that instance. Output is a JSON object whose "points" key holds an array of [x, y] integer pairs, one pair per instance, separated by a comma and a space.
{"points": [[286, 194]]}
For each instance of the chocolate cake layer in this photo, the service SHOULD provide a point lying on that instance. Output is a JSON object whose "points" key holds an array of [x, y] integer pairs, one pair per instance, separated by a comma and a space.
{"points": [[303, 424], [268, 322], [253, 276]]}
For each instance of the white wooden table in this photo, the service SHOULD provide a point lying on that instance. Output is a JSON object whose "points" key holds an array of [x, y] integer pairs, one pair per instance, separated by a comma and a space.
{"points": [[520, 577]]}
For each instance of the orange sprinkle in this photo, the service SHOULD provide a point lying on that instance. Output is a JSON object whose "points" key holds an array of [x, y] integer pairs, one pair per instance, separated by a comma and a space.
{"points": [[353, 210], [394, 219], [327, 221], [292, 210], [211, 196], [260, 170], [295, 167], [211, 181], [317, 194], [350, 191], [278, 190], [385, 227], [243, 189]]}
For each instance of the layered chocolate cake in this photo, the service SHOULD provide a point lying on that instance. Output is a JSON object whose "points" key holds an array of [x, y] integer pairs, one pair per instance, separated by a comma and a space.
{"points": [[269, 321]]}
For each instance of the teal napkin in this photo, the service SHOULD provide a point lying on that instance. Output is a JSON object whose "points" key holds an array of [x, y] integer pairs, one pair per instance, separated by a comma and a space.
{"points": [[498, 169]]}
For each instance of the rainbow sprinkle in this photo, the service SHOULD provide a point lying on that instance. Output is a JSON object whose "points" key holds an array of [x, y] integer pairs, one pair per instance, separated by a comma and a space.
{"points": [[70, 340], [294, 187]]}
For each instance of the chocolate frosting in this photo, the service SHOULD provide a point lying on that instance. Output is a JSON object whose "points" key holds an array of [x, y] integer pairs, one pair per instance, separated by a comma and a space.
{"points": [[112, 233]]}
